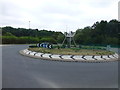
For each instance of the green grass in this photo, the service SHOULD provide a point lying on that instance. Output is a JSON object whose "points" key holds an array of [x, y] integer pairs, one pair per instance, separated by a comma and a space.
{"points": [[72, 51]]}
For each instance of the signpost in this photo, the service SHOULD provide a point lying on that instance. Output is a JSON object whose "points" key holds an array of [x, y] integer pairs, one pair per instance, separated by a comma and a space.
{"points": [[45, 45]]}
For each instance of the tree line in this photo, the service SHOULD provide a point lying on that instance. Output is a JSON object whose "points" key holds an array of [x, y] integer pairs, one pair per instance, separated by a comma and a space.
{"points": [[12, 35], [101, 33]]}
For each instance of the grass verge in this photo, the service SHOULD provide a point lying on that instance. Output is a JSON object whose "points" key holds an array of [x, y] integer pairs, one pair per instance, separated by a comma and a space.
{"points": [[72, 51]]}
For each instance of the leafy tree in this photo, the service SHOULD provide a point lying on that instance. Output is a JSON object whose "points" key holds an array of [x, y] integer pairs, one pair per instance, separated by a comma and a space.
{"points": [[102, 32], [50, 40]]}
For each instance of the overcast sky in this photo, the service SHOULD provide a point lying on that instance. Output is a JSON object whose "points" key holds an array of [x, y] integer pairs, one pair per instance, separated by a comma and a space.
{"points": [[57, 15]]}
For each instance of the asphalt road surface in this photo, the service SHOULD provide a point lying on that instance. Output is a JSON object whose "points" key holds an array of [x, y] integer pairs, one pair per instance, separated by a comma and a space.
{"points": [[24, 72]]}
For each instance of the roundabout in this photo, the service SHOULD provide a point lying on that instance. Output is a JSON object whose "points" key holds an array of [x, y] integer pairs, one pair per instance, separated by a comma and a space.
{"points": [[70, 52], [70, 58], [27, 72]]}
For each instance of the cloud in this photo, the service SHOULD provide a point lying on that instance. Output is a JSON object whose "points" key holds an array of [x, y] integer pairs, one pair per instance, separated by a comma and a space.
{"points": [[56, 14]]}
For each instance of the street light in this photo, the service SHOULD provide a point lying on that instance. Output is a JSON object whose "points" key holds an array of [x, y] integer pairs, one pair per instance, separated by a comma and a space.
{"points": [[29, 24]]}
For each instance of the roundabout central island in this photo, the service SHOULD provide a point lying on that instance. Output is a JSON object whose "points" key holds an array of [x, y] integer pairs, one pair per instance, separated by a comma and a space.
{"points": [[70, 57]]}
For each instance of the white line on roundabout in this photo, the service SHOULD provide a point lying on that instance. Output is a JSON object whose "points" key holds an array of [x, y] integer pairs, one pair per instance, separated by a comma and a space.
{"points": [[70, 58]]}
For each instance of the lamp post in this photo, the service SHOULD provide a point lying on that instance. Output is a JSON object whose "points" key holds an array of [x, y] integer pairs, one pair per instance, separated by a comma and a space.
{"points": [[29, 24], [118, 10]]}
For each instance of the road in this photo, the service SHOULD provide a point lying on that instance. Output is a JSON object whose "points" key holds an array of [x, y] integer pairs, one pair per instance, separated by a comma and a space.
{"points": [[24, 72]]}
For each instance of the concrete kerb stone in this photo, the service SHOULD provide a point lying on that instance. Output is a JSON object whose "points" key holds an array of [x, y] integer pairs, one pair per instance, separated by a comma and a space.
{"points": [[78, 57], [89, 57], [111, 56], [98, 58], [55, 56], [116, 55], [32, 53], [70, 58], [38, 54]]}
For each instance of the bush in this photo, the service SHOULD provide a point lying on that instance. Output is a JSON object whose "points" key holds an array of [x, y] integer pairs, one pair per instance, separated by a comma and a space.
{"points": [[9, 39], [19, 40], [50, 40]]}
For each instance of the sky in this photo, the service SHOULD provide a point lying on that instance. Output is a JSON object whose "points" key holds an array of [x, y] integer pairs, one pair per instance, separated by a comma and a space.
{"points": [[56, 15]]}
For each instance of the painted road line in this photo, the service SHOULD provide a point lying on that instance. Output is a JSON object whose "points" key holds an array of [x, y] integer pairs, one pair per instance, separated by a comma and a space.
{"points": [[98, 58], [89, 57]]}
